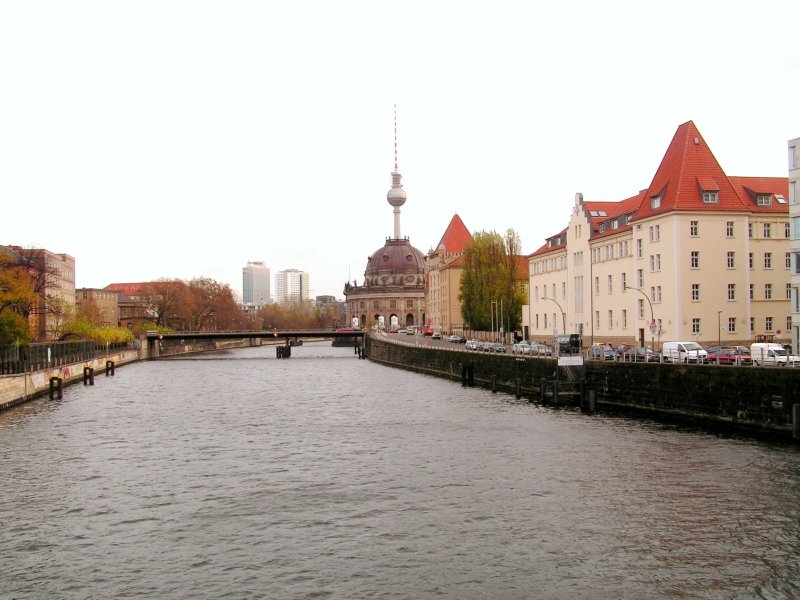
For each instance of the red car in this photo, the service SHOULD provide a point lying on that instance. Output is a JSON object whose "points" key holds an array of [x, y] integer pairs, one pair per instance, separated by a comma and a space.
{"points": [[730, 356]]}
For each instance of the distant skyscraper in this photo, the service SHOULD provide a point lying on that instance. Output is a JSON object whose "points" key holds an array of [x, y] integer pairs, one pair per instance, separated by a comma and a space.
{"points": [[255, 283], [291, 285]]}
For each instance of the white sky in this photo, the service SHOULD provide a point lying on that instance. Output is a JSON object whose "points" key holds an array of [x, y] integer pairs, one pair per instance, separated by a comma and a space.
{"points": [[181, 139]]}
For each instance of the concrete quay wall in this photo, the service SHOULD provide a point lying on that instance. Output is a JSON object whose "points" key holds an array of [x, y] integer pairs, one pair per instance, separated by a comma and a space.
{"points": [[754, 399], [17, 389]]}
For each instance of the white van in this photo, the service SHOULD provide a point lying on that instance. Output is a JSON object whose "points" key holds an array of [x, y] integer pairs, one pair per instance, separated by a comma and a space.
{"points": [[772, 354], [683, 352]]}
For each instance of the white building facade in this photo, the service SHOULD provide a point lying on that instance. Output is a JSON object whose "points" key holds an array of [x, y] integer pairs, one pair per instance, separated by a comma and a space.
{"points": [[292, 285]]}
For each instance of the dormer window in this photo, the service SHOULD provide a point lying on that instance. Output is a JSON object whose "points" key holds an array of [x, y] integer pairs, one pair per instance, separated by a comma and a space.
{"points": [[602, 227], [655, 202], [614, 224], [763, 200], [709, 189]]}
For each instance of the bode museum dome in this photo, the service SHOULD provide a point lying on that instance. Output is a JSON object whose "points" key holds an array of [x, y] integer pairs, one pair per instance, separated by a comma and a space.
{"points": [[394, 279]]}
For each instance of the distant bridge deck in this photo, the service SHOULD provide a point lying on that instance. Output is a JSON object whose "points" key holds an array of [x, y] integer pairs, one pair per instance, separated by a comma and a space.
{"points": [[285, 334]]}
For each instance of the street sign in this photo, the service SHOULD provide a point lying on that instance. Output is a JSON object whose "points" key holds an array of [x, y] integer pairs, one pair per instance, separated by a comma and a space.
{"points": [[653, 327]]}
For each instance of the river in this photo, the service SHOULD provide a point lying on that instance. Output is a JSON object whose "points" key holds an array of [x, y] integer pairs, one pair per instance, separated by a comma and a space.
{"points": [[238, 475]]}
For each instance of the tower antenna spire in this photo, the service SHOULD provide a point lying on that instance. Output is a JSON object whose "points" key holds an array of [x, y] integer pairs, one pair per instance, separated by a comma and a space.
{"points": [[395, 138]]}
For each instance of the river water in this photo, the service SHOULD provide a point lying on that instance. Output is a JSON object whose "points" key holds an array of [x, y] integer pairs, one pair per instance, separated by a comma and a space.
{"points": [[237, 475]]}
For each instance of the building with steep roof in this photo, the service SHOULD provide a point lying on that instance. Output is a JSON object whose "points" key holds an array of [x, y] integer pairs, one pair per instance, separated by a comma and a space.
{"points": [[794, 215], [698, 255], [394, 279], [443, 268]]}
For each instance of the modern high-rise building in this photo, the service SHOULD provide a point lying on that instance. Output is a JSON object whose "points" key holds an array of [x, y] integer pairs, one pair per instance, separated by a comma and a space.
{"points": [[291, 285], [255, 283]]}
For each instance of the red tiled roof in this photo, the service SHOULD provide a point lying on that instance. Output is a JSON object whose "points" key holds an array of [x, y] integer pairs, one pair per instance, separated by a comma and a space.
{"points": [[455, 237], [751, 187], [128, 289], [687, 160]]}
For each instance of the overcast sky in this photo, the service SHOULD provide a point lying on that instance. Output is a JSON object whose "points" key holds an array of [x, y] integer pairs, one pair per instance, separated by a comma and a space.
{"points": [[181, 139]]}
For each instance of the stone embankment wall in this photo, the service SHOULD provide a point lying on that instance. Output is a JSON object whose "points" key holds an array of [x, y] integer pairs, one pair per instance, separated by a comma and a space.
{"points": [[758, 399], [16, 389]]}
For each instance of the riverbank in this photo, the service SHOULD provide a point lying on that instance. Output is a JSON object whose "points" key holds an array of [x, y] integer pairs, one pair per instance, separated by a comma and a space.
{"points": [[18, 389], [759, 400]]}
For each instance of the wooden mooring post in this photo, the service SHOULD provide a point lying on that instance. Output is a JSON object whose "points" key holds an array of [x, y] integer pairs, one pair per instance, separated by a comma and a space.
{"points": [[56, 387], [796, 421], [109, 368], [88, 375]]}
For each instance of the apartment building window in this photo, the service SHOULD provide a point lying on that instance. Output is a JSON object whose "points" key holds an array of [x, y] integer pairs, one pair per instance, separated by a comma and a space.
{"points": [[768, 323], [752, 291], [652, 294], [695, 291], [623, 281], [650, 231], [658, 232], [655, 202], [767, 291], [563, 290], [695, 259], [639, 249], [596, 286], [537, 320], [658, 262], [545, 321], [729, 229], [789, 293], [376, 304], [767, 230], [362, 304], [641, 308], [767, 260], [787, 231], [611, 319], [409, 304], [763, 200], [536, 292], [658, 294], [710, 197], [392, 304], [640, 278], [694, 227], [597, 318], [749, 230], [731, 260], [696, 326], [789, 323], [625, 318], [731, 324], [750, 259], [752, 324], [788, 260], [610, 284], [731, 291]]}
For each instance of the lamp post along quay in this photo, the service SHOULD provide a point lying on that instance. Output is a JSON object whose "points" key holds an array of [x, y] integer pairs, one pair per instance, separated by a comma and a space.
{"points": [[652, 318]]}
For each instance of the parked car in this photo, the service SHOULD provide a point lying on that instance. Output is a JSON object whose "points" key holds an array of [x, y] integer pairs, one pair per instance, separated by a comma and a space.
{"points": [[498, 347], [485, 347], [401, 330], [602, 352], [772, 354], [638, 354], [471, 345], [411, 331], [733, 355], [539, 349], [683, 352], [522, 347]]}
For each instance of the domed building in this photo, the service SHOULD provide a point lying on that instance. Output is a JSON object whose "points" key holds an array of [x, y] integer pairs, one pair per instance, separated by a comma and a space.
{"points": [[394, 280]]}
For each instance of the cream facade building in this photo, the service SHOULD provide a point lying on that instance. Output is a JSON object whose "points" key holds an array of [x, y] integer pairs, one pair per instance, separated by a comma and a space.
{"points": [[794, 215], [443, 267], [697, 256]]}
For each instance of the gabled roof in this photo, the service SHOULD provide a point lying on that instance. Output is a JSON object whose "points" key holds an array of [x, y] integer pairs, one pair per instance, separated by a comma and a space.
{"points": [[750, 188], [687, 169], [455, 237]]}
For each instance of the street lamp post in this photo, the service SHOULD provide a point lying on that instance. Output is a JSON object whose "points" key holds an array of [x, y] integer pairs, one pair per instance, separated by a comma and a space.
{"points": [[563, 314], [652, 318], [719, 328]]}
